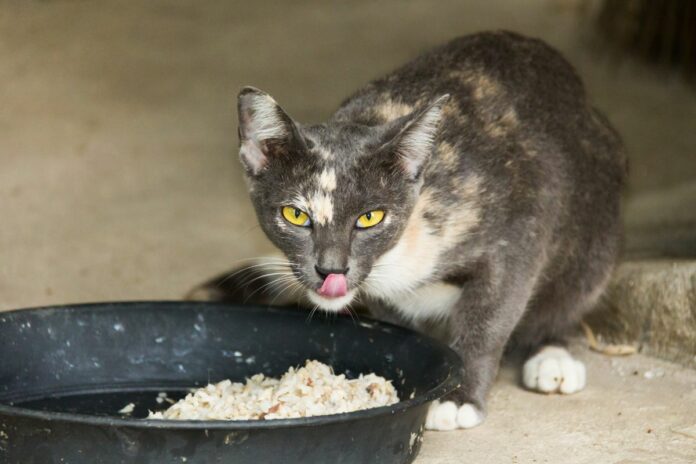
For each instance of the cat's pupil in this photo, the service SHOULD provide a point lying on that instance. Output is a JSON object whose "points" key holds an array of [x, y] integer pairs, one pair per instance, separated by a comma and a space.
{"points": [[368, 216], [297, 213]]}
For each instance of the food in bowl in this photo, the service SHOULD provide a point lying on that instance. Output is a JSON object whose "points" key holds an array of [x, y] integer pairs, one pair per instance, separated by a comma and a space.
{"points": [[312, 390]]}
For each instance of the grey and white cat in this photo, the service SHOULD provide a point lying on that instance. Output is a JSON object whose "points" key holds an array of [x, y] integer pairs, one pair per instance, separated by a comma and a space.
{"points": [[473, 193]]}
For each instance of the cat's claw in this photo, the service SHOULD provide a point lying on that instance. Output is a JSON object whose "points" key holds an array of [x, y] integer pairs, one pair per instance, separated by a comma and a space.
{"points": [[553, 370], [447, 416]]}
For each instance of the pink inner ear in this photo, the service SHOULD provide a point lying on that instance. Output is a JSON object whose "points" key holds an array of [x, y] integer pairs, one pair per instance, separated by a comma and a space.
{"points": [[334, 286], [252, 156]]}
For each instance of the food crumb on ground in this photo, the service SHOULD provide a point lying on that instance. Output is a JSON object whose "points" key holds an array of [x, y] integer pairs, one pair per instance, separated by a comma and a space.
{"points": [[654, 373]]}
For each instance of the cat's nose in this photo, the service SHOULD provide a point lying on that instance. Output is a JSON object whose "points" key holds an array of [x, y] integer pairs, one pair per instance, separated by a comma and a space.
{"points": [[323, 273]]}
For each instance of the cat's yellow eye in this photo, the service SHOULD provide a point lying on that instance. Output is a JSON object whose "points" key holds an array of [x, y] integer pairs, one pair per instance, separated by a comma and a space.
{"points": [[296, 216], [370, 219]]}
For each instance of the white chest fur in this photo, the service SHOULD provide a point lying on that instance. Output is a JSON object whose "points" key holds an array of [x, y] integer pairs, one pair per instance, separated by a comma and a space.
{"points": [[402, 276], [429, 301]]}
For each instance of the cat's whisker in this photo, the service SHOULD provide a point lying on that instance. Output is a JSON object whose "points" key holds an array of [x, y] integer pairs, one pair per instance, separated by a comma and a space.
{"points": [[288, 286], [269, 274], [296, 288], [251, 278], [282, 275], [299, 289], [284, 286], [280, 264], [239, 271], [285, 283], [274, 281], [311, 313], [260, 260], [280, 281], [265, 276], [352, 312]]}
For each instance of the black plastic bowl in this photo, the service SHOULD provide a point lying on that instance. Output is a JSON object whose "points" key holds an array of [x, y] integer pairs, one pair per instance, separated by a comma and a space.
{"points": [[65, 372]]}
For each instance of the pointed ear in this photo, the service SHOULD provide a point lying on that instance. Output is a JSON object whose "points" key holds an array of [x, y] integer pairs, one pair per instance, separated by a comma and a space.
{"points": [[414, 143], [265, 130]]}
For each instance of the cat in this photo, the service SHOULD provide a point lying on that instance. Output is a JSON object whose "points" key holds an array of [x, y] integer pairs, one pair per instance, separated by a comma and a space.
{"points": [[473, 194]]}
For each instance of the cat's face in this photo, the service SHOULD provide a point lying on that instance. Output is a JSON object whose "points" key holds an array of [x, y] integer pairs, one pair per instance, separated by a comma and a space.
{"points": [[333, 198]]}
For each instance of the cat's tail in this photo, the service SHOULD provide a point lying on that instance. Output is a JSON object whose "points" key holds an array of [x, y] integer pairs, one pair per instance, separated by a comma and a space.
{"points": [[262, 281]]}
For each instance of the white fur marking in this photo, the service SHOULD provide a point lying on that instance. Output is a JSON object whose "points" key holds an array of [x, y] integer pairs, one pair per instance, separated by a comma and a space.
{"points": [[391, 110], [327, 180], [553, 370], [468, 416], [433, 301], [324, 153], [331, 304], [321, 208], [441, 416], [447, 416]]}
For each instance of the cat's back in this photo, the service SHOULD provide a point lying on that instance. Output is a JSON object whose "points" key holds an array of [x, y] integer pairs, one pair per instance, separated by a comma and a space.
{"points": [[481, 72], [512, 99]]}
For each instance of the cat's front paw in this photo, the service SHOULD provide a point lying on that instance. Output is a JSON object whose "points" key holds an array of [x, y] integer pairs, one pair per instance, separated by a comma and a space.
{"points": [[448, 416], [554, 370]]}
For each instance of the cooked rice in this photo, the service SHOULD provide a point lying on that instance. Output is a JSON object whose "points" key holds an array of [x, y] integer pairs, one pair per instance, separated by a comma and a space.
{"points": [[127, 409], [312, 390]]}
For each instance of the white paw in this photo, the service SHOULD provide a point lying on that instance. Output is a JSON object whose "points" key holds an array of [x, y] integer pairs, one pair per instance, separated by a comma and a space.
{"points": [[553, 370], [447, 416]]}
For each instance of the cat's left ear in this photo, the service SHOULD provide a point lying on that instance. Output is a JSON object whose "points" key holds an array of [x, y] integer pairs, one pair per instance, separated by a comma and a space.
{"points": [[414, 142], [265, 130]]}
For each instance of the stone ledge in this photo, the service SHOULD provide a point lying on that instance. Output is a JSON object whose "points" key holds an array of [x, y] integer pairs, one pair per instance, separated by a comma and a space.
{"points": [[662, 223], [651, 303]]}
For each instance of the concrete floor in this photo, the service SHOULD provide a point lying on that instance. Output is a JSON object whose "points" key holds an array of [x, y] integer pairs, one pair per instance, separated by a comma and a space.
{"points": [[635, 410], [119, 179]]}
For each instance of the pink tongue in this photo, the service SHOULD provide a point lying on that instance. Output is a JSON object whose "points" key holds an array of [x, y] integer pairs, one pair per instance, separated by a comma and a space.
{"points": [[334, 286]]}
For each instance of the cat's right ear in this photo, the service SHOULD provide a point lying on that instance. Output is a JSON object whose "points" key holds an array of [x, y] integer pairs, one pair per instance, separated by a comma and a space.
{"points": [[265, 130], [414, 142]]}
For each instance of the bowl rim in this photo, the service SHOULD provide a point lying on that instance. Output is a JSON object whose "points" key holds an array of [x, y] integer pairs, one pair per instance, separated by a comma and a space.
{"points": [[453, 380]]}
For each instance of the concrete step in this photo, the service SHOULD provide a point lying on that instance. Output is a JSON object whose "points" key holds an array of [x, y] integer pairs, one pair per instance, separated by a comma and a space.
{"points": [[651, 303], [662, 223]]}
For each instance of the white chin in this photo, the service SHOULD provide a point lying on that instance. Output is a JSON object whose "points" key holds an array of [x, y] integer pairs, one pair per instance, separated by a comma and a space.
{"points": [[331, 304]]}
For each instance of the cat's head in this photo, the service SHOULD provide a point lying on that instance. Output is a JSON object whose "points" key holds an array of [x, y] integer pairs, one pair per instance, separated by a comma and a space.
{"points": [[333, 197]]}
